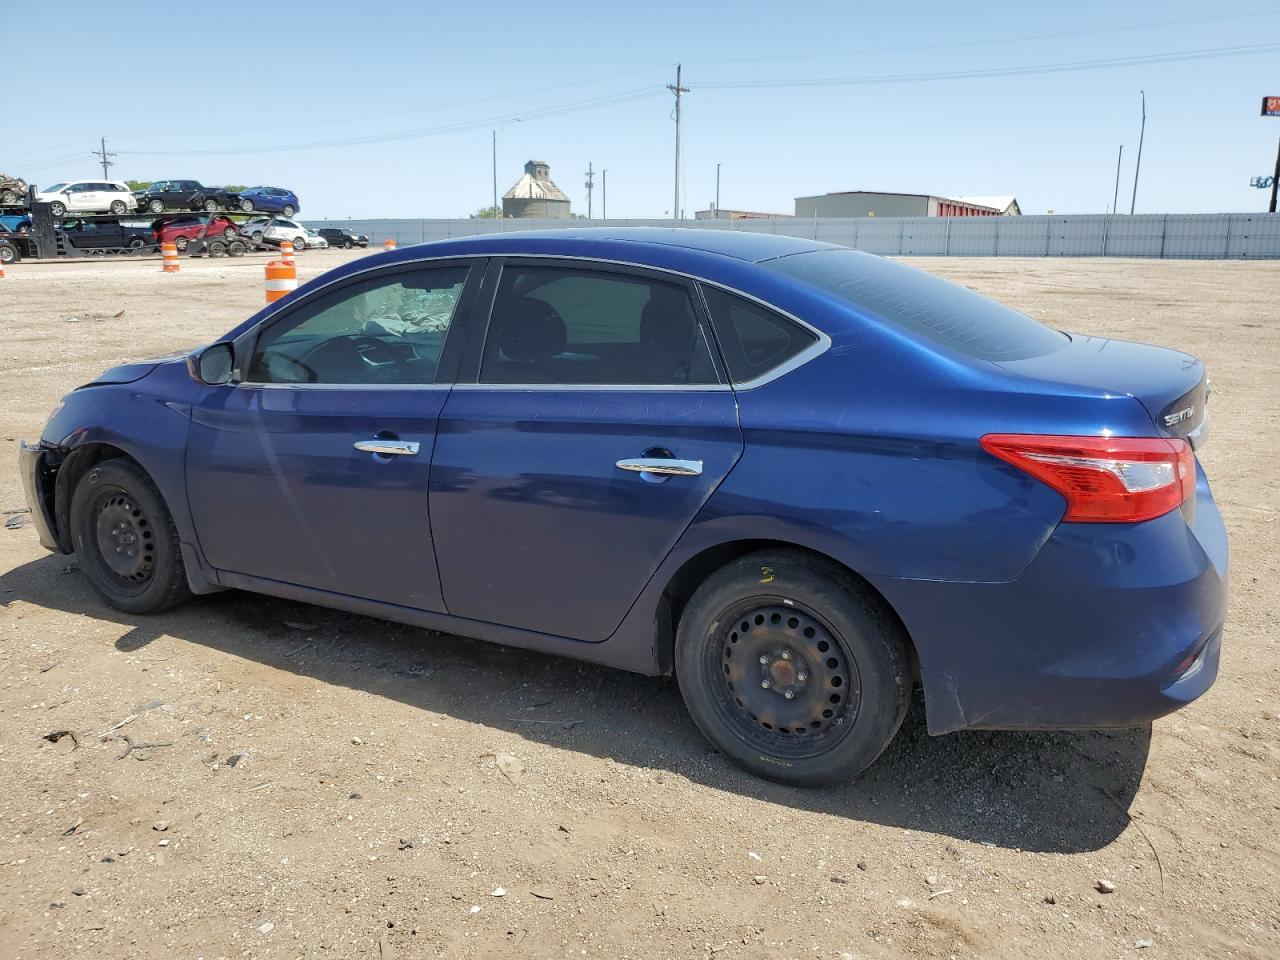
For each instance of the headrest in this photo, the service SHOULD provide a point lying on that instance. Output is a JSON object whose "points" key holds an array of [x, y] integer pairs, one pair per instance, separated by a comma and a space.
{"points": [[531, 330]]}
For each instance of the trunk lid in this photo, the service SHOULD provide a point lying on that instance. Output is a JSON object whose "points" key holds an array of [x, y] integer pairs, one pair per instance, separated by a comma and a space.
{"points": [[1170, 385]]}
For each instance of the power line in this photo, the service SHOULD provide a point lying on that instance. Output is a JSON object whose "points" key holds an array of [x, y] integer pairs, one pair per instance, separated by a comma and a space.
{"points": [[954, 44], [463, 127], [1178, 56], [330, 121]]}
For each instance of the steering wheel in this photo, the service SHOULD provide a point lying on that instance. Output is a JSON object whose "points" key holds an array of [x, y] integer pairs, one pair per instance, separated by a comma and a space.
{"points": [[308, 373]]}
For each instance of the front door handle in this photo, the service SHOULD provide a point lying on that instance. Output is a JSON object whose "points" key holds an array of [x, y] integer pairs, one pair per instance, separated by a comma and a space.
{"points": [[403, 448], [663, 466]]}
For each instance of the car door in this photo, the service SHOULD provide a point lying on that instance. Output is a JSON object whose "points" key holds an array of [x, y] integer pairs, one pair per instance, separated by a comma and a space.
{"points": [[312, 468], [596, 425], [80, 197]]}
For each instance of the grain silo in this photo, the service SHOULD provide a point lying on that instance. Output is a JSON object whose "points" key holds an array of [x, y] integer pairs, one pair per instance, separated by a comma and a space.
{"points": [[534, 195]]}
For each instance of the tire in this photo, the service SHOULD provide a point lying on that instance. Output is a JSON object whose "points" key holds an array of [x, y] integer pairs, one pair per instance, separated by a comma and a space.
{"points": [[257, 236], [210, 206], [347, 245], [9, 254], [237, 248], [217, 248], [181, 243], [137, 245], [119, 208], [828, 641], [288, 210], [299, 244], [8, 198], [57, 208], [246, 206], [117, 512], [155, 206]]}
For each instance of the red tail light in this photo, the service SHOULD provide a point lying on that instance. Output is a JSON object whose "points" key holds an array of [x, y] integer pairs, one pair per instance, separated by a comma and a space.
{"points": [[1105, 479]]}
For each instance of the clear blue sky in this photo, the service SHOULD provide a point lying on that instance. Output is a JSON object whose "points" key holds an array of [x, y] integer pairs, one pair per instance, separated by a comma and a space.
{"points": [[333, 71]]}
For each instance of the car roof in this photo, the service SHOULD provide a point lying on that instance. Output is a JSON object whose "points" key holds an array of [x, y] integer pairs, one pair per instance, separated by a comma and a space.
{"points": [[745, 246]]}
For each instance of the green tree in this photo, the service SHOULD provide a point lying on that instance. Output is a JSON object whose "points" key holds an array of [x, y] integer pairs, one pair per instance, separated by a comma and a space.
{"points": [[487, 213], [138, 184]]}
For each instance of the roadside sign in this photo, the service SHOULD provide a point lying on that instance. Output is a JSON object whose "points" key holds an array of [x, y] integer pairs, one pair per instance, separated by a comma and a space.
{"points": [[1271, 106]]}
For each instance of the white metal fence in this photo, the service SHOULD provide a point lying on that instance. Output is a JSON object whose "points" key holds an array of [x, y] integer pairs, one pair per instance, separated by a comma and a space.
{"points": [[1209, 236]]}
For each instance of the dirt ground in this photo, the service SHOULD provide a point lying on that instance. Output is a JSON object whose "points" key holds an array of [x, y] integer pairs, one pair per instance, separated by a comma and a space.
{"points": [[325, 785]]}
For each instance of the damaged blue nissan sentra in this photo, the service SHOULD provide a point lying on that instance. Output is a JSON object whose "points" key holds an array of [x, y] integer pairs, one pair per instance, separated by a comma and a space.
{"points": [[800, 478]]}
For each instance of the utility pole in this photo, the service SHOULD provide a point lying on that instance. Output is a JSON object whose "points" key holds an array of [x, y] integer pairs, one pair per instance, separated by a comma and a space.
{"points": [[1275, 180], [495, 174], [677, 89], [604, 194], [1115, 197], [590, 187], [1138, 166], [717, 191], [102, 156]]}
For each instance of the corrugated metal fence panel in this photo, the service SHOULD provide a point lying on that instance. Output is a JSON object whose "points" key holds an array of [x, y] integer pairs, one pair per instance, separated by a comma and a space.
{"points": [[925, 236], [1254, 235], [1076, 236], [1141, 236], [972, 236], [1022, 236], [1203, 236], [1197, 236]]}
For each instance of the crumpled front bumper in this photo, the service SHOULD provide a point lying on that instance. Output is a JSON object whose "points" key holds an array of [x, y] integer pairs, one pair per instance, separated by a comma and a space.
{"points": [[37, 486]]}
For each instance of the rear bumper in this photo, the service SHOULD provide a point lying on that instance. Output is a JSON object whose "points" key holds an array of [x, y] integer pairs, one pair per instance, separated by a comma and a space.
{"points": [[1112, 625], [37, 488]]}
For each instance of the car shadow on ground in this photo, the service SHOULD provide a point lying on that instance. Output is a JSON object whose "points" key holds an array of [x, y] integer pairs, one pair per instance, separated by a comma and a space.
{"points": [[1056, 792]]}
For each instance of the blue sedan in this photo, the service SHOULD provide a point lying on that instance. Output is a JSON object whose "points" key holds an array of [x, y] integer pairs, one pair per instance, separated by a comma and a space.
{"points": [[269, 200], [800, 478]]}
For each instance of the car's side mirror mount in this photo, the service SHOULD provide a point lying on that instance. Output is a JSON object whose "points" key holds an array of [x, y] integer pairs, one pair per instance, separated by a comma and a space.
{"points": [[214, 365]]}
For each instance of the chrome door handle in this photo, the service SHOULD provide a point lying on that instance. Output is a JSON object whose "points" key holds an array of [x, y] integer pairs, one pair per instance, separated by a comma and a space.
{"points": [[404, 448], [663, 466]]}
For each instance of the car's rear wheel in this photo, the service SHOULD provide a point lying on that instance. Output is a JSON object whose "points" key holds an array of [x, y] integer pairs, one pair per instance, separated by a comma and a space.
{"points": [[57, 208], [125, 539], [246, 206], [211, 206], [155, 206], [119, 207], [8, 198], [792, 668], [288, 210]]}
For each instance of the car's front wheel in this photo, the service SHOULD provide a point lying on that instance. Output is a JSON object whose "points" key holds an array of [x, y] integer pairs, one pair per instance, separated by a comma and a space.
{"points": [[8, 198], [246, 206], [346, 245], [181, 243], [792, 668], [299, 243], [125, 539]]}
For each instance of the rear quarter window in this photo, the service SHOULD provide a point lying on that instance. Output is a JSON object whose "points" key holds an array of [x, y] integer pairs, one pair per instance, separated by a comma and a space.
{"points": [[754, 339], [927, 306]]}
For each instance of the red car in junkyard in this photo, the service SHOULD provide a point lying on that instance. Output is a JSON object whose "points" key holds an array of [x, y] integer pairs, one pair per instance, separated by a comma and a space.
{"points": [[182, 230]]}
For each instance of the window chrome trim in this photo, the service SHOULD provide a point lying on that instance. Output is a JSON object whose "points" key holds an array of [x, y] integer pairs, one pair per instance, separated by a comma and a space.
{"points": [[370, 387], [820, 346]]}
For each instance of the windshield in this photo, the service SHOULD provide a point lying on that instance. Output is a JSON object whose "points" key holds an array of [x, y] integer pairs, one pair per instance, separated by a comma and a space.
{"points": [[53, 189], [928, 306]]}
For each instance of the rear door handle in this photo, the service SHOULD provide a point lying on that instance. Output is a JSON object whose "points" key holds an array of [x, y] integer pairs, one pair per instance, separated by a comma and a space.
{"points": [[403, 448], [663, 466]]}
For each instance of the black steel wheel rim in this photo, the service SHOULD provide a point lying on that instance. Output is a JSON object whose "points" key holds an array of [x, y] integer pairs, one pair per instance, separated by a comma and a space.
{"points": [[124, 540], [782, 678]]}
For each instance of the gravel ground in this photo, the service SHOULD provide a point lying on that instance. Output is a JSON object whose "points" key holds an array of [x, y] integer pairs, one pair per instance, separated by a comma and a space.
{"points": [[324, 785]]}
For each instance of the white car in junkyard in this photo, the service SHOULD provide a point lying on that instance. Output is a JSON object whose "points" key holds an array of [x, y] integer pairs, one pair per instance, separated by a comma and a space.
{"points": [[315, 241]]}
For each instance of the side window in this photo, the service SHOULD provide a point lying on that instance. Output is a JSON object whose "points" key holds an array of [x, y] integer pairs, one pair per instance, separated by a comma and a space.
{"points": [[388, 330], [566, 326], [754, 339]]}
